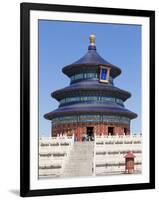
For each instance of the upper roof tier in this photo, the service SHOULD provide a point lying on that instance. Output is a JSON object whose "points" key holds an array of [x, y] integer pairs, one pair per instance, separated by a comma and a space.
{"points": [[92, 60]]}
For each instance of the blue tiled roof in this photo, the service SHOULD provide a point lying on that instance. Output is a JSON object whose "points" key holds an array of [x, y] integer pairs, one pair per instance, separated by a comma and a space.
{"points": [[107, 109], [91, 58], [93, 86]]}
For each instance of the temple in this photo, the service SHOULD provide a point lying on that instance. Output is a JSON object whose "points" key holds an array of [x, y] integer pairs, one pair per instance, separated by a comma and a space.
{"points": [[91, 105], [90, 109]]}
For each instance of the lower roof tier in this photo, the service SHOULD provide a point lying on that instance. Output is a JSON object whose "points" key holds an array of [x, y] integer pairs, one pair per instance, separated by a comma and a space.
{"points": [[90, 87], [76, 109], [83, 120]]}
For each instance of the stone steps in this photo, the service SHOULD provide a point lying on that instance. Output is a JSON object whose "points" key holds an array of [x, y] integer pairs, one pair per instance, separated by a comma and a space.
{"points": [[80, 161]]}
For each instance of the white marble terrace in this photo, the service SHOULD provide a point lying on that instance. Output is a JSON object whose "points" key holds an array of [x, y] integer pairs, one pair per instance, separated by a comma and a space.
{"points": [[62, 157]]}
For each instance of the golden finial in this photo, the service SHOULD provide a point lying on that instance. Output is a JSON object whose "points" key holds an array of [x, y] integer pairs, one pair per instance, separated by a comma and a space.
{"points": [[92, 39]]}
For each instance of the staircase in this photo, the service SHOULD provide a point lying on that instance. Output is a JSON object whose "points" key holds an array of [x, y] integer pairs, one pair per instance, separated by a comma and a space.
{"points": [[80, 162]]}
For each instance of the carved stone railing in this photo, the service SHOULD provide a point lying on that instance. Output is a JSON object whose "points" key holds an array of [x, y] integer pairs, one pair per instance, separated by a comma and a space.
{"points": [[109, 152], [53, 154]]}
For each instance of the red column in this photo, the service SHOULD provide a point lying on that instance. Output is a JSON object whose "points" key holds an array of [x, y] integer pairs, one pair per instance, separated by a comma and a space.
{"points": [[78, 133]]}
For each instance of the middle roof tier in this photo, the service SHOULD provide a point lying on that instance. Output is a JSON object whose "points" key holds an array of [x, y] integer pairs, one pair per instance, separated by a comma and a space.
{"points": [[90, 88]]}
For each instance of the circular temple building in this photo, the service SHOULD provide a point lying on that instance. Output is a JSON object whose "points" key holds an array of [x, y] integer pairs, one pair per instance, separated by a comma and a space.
{"points": [[91, 104]]}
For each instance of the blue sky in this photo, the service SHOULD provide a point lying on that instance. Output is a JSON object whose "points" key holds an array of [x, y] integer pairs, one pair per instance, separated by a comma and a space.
{"points": [[62, 43]]}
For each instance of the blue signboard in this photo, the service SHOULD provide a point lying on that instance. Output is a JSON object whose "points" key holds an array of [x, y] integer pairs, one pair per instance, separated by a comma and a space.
{"points": [[104, 74]]}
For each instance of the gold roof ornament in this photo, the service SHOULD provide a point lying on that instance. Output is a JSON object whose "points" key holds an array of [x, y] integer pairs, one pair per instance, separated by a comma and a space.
{"points": [[92, 39]]}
